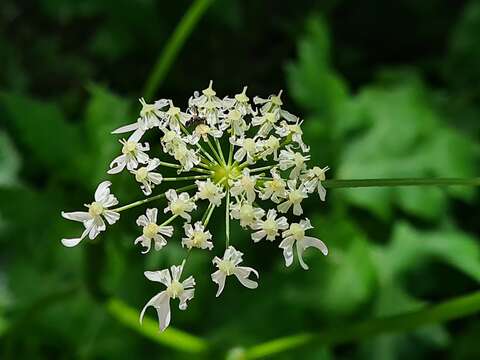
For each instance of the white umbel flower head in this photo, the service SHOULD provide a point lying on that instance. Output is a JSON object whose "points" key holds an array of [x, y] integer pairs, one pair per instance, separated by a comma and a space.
{"points": [[295, 235], [176, 289], [93, 219], [245, 157], [152, 232], [229, 266], [147, 177], [197, 237]]}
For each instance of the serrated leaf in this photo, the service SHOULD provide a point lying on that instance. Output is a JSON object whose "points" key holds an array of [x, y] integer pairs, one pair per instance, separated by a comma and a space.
{"points": [[400, 134]]}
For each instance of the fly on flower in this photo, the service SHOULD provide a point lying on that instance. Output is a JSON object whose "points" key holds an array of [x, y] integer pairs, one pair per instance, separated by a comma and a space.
{"points": [[243, 160]]}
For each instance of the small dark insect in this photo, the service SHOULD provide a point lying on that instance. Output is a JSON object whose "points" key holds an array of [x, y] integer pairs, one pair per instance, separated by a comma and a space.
{"points": [[196, 119]]}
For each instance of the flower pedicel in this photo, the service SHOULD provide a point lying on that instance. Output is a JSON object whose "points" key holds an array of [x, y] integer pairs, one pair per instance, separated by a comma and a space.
{"points": [[260, 181]]}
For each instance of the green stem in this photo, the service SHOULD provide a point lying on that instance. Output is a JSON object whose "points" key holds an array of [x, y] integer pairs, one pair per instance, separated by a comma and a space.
{"points": [[448, 310], [169, 220], [174, 44], [227, 220], [209, 214], [331, 184], [220, 151], [183, 178], [176, 166], [230, 154], [173, 338], [152, 198], [262, 168], [215, 153]]}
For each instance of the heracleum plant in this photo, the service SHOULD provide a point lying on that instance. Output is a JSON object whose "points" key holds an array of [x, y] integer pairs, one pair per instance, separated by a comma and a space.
{"points": [[244, 158]]}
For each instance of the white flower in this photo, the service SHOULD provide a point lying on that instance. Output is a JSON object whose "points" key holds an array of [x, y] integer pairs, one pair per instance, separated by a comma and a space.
{"points": [[179, 205], [197, 237], [266, 123], [236, 122], [289, 158], [269, 227], [244, 185], [229, 266], [209, 105], [171, 140], [295, 235], [246, 213], [149, 118], [152, 231], [147, 177], [207, 190], [275, 188], [133, 153], [174, 117], [294, 197], [176, 289], [270, 146], [313, 179], [240, 102], [295, 131], [247, 147], [187, 158], [93, 218], [202, 131], [274, 104]]}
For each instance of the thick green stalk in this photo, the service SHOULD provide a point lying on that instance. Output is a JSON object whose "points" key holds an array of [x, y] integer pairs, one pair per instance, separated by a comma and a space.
{"points": [[173, 338], [331, 184], [448, 310], [173, 45]]}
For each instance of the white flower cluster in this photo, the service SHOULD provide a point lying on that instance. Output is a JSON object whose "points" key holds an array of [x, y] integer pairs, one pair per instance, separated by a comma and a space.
{"points": [[233, 154]]}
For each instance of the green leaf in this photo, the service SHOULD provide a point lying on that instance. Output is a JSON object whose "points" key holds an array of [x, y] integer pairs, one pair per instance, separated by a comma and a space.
{"points": [[410, 247], [44, 131], [9, 161], [398, 133], [311, 80]]}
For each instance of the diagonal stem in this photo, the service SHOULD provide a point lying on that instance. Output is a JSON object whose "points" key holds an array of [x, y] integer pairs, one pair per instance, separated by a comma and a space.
{"points": [[452, 309], [152, 198], [174, 44]]}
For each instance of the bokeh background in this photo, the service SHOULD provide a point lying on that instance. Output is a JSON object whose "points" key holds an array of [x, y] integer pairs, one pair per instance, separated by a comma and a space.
{"points": [[387, 89]]}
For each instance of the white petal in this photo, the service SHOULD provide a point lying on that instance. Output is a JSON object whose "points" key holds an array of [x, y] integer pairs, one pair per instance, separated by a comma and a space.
{"points": [[77, 216], [161, 302], [219, 277], [317, 243], [161, 276], [103, 190], [111, 216], [126, 128]]}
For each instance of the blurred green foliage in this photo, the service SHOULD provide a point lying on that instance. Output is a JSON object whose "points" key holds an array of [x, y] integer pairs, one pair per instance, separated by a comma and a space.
{"points": [[386, 90]]}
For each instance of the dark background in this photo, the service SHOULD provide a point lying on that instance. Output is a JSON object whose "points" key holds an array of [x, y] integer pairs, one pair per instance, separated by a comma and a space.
{"points": [[387, 89]]}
